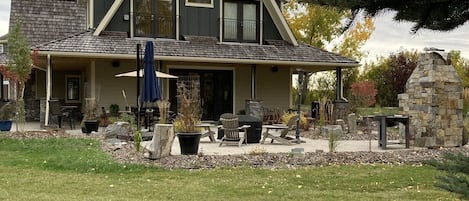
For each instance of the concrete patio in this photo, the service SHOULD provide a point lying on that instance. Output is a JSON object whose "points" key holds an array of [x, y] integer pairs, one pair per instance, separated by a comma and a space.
{"points": [[209, 148]]}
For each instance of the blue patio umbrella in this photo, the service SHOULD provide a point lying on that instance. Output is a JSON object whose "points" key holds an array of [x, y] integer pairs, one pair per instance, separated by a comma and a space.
{"points": [[150, 89]]}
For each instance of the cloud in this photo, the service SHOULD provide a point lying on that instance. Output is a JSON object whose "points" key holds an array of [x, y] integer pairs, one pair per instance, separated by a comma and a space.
{"points": [[390, 36], [4, 16]]}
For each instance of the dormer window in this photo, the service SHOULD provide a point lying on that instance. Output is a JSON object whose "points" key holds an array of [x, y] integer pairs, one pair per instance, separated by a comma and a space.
{"points": [[240, 21], [154, 18]]}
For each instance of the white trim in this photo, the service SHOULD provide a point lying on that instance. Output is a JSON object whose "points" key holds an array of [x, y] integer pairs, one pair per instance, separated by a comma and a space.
{"points": [[108, 17], [177, 19], [131, 18], [202, 5], [79, 88], [261, 21], [280, 22], [200, 59], [48, 89], [221, 21], [91, 16]]}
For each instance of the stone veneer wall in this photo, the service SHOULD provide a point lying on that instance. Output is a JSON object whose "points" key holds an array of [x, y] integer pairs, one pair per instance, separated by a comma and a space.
{"points": [[433, 101]]}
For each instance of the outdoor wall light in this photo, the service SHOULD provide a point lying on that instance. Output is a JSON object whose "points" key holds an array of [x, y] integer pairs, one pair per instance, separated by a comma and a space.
{"points": [[274, 69], [115, 63], [126, 17]]}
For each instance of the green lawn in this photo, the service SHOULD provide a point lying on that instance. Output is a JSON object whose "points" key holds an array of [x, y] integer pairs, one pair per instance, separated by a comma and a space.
{"points": [[76, 169]]}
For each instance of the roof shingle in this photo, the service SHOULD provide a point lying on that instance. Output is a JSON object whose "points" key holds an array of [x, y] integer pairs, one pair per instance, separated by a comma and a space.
{"points": [[118, 43], [47, 20]]}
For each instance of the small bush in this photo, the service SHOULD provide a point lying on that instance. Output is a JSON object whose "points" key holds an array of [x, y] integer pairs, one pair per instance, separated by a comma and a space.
{"points": [[303, 122]]}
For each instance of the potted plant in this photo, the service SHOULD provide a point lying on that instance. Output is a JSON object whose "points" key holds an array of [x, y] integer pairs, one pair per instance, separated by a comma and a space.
{"points": [[90, 119], [188, 117], [6, 114], [114, 110]]}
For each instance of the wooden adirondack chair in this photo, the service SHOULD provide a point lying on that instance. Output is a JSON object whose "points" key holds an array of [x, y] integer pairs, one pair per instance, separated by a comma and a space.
{"points": [[282, 138], [232, 130]]}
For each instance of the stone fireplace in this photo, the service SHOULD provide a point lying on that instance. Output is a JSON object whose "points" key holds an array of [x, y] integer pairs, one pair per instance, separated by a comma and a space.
{"points": [[433, 101]]}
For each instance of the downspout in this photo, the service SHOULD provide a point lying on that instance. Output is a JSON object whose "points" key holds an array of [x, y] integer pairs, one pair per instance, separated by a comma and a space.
{"points": [[48, 89]]}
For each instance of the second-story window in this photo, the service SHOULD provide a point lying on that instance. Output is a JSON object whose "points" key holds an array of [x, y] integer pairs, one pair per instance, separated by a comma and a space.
{"points": [[154, 18], [240, 21]]}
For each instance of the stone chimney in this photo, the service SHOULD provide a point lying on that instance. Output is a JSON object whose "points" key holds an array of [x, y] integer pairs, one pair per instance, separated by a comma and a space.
{"points": [[433, 101]]}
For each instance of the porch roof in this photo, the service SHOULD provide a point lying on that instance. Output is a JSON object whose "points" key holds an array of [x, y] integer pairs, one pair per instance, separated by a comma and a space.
{"points": [[194, 48]]}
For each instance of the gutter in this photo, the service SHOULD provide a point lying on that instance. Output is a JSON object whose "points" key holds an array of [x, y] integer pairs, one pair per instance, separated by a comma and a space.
{"points": [[198, 59]]}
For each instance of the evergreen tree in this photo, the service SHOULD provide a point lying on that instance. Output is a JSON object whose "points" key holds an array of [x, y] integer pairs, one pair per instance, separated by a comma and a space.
{"points": [[456, 179]]}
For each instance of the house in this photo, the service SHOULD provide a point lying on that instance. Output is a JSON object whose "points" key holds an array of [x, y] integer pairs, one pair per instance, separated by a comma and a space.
{"points": [[241, 49], [5, 84]]}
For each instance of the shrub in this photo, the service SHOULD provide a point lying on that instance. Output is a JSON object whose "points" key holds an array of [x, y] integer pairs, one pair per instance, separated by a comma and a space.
{"points": [[363, 95]]}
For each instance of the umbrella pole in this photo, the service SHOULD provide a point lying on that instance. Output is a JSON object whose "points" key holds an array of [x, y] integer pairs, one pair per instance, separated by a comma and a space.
{"points": [[138, 87]]}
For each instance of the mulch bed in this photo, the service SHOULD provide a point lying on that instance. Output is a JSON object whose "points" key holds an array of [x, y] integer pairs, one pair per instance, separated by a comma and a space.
{"points": [[126, 153]]}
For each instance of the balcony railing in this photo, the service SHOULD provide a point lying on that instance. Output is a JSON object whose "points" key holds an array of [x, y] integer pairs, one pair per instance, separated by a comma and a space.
{"points": [[240, 30], [148, 26]]}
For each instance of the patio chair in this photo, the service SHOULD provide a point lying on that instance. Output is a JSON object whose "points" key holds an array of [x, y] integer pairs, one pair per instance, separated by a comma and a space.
{"points": [[231, 128], [58, 115], [284, 129]]}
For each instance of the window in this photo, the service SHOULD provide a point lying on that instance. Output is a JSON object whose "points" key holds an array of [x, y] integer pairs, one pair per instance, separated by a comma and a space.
{"points": [[2, 50], [240, 22], [72, 87], [154, 18], [200, 3]]}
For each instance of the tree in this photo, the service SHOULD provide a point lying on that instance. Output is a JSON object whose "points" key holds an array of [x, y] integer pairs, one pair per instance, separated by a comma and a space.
{"points": [[363, 95], [390, 75], [441, 15], [319, 26], [461, 66], [456, 179], [20, 65]]}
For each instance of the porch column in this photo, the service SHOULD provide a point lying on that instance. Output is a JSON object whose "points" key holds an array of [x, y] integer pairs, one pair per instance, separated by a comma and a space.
{"points": [[48, 89], [93, 79], [339, 86], [253, 82], [340, 103]]}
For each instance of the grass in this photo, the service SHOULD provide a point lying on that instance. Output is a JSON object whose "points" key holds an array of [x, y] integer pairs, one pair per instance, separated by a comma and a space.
{"points": [[76, 169]]}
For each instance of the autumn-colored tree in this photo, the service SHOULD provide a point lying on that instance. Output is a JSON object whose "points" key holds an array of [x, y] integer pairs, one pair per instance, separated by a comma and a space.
{"points": [[19, 65], [461, 66], [390, 75], [363, 95], [319, 26]]}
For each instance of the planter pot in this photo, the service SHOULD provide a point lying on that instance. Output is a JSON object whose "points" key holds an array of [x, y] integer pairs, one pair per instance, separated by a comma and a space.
{"points": [[189, 143], [5, 125], [90, 126]]}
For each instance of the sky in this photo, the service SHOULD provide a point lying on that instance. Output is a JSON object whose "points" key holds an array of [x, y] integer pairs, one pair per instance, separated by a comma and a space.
{"points": [[389, 36]]}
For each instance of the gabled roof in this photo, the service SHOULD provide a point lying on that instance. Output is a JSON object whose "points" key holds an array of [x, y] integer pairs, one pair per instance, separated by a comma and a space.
{"points": [[195, 48], [47, 20]]}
